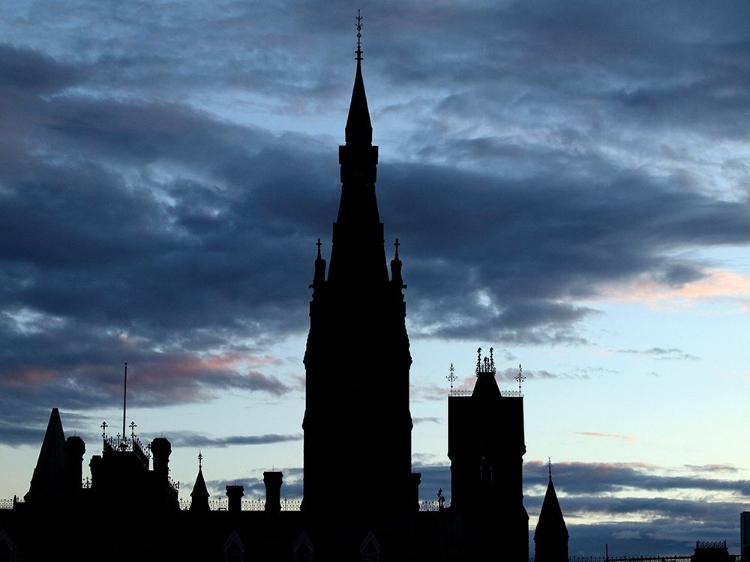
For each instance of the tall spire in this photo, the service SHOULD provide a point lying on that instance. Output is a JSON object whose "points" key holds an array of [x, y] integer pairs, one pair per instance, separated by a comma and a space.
{"points": [[358, 124], [374, 420], [358, 253]]}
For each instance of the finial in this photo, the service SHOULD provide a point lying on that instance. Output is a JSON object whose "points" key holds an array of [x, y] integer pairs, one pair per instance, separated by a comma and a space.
{"points": [[200, 460], [319, 244], [520, 377], [359, 36], [397, 244], [104, 429], [486, 366], [451, 376], [132, 430], [549, 468]]}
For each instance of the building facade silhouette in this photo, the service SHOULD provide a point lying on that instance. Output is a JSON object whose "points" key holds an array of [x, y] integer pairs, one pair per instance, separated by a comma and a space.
{"points": [[357, 359], [357, 439]]}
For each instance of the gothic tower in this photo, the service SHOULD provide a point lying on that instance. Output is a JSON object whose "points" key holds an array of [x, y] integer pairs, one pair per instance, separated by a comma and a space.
{"points": [[486, 446], [357, 425]]}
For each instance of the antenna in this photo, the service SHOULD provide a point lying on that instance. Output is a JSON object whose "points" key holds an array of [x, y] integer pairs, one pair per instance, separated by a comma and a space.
{"points": [[359, 37], [124, 400]]}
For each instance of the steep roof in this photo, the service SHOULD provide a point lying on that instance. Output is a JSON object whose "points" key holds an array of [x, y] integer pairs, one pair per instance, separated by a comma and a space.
{"points": [[358, 125], [48, 478], [199, 494], [551, 522]]}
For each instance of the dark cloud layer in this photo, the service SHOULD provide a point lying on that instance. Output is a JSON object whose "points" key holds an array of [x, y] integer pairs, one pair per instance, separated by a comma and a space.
{"points": [[137, 224]]}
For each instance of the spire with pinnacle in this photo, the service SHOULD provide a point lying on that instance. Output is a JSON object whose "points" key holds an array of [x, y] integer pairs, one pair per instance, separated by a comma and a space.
{"points": [[358, 125], [200, 493], [551, 534], [358, 293], [358, 254]]}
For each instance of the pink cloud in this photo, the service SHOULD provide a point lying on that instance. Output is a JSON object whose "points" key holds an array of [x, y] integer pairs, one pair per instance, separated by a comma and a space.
{"points": [[717, 284], [598, 435]]}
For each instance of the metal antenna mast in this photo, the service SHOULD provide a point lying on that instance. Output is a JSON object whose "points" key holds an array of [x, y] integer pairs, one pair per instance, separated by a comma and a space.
{"points": [[124, 401]]}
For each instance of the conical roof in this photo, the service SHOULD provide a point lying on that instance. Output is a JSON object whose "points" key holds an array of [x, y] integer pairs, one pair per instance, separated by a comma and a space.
{"points": [[49, 474], [551, 522], [199, 494], [358, 125]]}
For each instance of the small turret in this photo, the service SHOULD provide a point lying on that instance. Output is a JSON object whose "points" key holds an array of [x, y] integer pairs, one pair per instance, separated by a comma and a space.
{"points": [[199, 495], [551, 534], [320, 270], [396, 265]]}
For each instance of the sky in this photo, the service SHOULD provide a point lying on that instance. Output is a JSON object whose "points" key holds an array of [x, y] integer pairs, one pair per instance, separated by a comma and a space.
{"points": [[568, 182]]}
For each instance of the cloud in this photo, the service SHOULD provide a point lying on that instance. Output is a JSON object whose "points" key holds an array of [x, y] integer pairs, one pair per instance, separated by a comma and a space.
{"points": [[606, 478], [193, 440], [607, 435], [161, 189], [662, 353], [711, 284], [638, 509], [127, 210]]}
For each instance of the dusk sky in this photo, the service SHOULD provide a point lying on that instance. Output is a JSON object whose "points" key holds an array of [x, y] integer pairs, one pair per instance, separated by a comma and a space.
{"points": [[568, 181]]}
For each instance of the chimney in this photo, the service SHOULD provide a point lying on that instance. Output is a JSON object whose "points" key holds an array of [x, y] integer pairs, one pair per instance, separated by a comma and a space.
{"points": [[234, 495], [161, 448], [272, 480], [74, 450]]}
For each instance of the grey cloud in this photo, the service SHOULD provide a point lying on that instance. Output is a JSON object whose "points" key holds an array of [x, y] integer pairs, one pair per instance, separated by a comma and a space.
{"points": [[186, 439], [28, 69], [663, 353], [604, 478]]}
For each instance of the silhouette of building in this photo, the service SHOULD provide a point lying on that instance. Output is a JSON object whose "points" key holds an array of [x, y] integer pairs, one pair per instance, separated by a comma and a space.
{"points": [[358, 348], [551, 533], [486, 447], [356, 415]]}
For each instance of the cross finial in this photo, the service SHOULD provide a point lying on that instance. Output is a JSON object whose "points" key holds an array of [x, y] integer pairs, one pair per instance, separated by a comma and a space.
{"points": [[319, 244], [132, 429], [104, 429], [520, 377], [479, 359], [451, 376], [549, 467], [359, 36], [200, 460], [397, 244]]}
